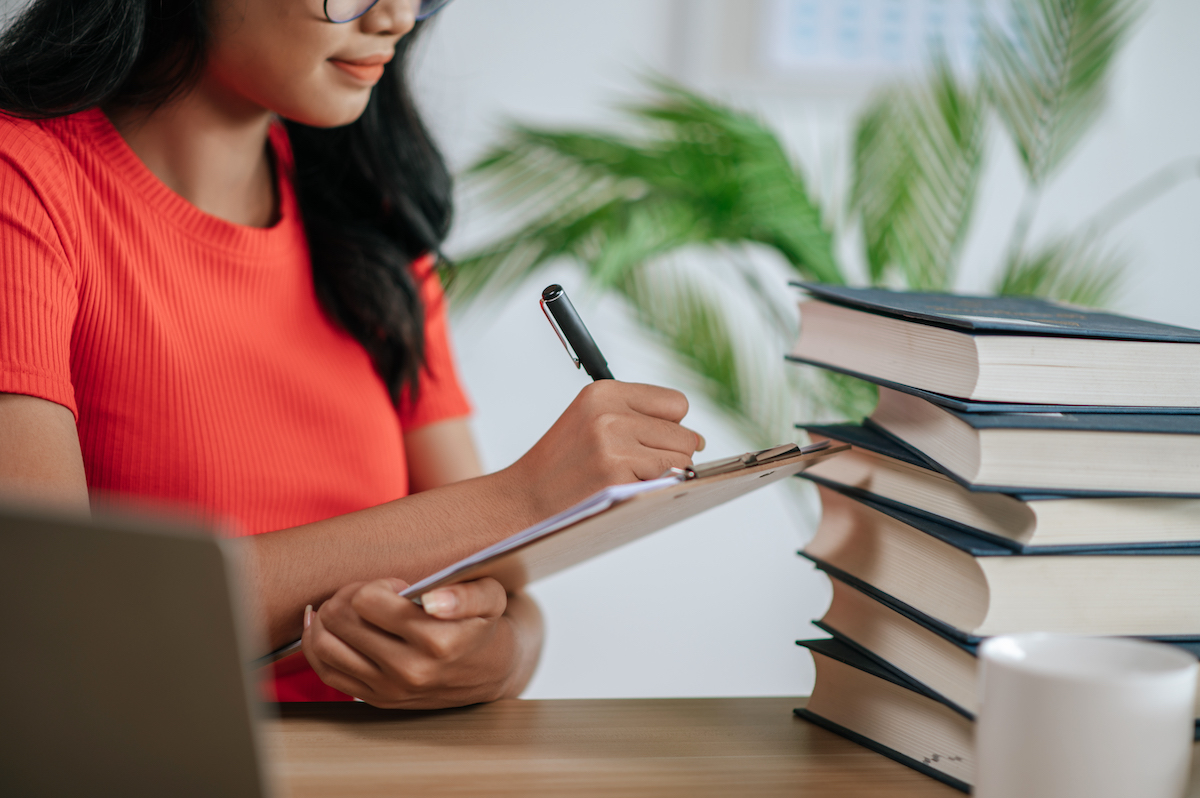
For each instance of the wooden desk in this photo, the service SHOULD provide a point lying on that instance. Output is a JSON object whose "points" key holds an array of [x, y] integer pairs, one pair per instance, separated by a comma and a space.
{"points": [[744, 747], [658, 747]]}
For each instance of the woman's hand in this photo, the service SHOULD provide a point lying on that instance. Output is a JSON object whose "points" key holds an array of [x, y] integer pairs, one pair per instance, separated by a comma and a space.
{"points": [[614, 432], [470, 643]]}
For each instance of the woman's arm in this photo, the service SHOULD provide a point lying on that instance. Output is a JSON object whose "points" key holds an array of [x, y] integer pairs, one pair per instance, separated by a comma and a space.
{"points": [[40, 458], [440, 454], [475, 644], [613, 432]]}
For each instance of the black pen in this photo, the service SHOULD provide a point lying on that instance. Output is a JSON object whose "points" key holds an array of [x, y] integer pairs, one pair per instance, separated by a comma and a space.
{"points": [[573, 334]]}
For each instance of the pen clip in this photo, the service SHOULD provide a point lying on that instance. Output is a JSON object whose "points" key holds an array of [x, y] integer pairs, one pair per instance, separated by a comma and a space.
{"points": [[558, 332]]}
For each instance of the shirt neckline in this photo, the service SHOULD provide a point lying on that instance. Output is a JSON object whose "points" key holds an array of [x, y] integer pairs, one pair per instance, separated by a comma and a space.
{"points": [[95, 128]]}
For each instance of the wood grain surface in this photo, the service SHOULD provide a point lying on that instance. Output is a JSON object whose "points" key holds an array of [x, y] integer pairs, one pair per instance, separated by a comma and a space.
{"points": [[640, 747]]}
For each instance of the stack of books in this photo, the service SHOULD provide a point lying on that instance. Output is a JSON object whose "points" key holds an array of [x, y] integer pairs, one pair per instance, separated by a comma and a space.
{"points": [[1030, 467]]}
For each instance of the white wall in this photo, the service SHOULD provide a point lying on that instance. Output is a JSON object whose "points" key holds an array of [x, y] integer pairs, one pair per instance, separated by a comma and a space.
{"points": [[711, 607]]}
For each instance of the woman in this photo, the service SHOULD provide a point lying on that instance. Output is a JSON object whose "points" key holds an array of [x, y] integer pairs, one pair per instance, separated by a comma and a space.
{"points": [[204, 306]]}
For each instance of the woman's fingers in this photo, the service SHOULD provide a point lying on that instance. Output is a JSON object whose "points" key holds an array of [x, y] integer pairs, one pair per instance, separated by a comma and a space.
{"points": [[643, 447], [451, 622], [638, 443], [327, 652], [613, 432], [653, 468], [373, 625], [482, 598], [343, 635], [346, 683], [376, 645], [654, 433], [649, 400]]}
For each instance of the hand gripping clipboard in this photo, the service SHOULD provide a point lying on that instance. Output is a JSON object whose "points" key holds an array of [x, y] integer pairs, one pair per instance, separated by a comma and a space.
{"points": [[616, 516]]}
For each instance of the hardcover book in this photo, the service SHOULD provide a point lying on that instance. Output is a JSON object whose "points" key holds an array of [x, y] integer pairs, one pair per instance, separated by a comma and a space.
{"points": [[1000, 349], [968, 406], [860, 699], [1086, 453], [979, 588], [1001, 314], [867, 704], [888, 473], [942, 665]]}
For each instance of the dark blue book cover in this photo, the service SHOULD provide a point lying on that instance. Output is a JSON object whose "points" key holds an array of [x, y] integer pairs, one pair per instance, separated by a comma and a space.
{"points": [[846, 651], [1134, 420], [1190, 645], [941, 627], [843, 649], [980, 545], [836, 650], [874, 440], [1145, 423], [865, 438], [1000, 315], [971, 406]]}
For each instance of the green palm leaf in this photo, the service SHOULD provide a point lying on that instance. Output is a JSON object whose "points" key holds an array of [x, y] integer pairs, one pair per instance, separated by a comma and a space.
{"points": [[697, 174], [1077, 271], [731, 354], [917, 159], [638, 210], [701, 173], [1047, 78]]}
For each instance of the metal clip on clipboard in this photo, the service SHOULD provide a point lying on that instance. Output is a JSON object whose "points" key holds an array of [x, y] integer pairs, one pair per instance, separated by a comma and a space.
{"points": [[747, 460]]}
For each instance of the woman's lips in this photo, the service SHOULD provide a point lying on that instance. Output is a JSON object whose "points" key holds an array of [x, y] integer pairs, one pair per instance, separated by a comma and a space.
{"points": [[367, 70]]}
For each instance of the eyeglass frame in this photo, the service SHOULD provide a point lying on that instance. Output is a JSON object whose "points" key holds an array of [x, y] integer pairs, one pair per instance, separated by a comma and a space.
{"points": [[325, 9]]}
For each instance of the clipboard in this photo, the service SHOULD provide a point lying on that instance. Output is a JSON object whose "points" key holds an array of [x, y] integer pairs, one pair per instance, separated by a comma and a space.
{"points": [[613, 517]]}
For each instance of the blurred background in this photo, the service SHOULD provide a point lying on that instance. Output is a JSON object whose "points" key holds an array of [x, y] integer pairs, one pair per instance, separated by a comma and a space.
{"points": [[712, 607]]}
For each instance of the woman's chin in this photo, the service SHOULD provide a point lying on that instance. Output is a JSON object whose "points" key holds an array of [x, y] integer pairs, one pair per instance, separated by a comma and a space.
{"points": [[336, 112]]}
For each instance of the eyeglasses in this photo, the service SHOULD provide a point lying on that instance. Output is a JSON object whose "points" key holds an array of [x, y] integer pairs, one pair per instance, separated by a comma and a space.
{"points": [[346, 10]]}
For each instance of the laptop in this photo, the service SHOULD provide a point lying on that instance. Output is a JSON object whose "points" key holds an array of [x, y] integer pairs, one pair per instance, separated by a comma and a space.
{"points": [[122, 662]]}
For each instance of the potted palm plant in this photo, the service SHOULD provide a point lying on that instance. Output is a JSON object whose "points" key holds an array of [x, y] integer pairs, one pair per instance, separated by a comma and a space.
{"points": [[663, 216]]}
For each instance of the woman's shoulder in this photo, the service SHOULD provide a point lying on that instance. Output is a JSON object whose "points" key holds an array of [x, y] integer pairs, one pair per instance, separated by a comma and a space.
{"points": [[64, 167], [37, 177], [29, 142], [82, 141], [43, 153], [61, 176]]}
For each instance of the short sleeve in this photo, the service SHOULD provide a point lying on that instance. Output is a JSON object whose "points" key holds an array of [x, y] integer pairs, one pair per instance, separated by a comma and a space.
{"points": [[441, 395], [39, 296]]}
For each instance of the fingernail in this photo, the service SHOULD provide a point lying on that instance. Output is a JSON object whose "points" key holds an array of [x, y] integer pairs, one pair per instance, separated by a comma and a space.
{"points": [[439, 601], [307, 616], [700, 443]]}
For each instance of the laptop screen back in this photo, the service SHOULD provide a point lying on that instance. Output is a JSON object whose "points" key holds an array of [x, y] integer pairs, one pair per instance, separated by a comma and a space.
{"points": [[121, 671]]}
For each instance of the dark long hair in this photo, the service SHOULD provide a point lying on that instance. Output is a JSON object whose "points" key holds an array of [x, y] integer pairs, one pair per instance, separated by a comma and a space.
{"points": [[374, 195]]}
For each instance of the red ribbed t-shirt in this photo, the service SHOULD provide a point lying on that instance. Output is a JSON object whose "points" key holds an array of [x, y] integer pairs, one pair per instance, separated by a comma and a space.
{"points": [[193, 352]]}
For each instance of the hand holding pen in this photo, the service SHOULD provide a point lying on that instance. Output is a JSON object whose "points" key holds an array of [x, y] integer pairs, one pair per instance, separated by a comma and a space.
{"points": [[614, 431]]}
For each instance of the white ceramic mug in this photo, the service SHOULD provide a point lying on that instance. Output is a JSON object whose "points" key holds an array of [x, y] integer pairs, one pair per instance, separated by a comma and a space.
{"points": [[1083, 717]]}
